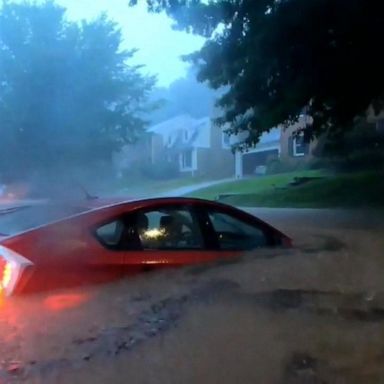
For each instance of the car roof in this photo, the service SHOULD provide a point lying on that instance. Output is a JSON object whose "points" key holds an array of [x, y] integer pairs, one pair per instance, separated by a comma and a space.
{"points": [[23, 216]]}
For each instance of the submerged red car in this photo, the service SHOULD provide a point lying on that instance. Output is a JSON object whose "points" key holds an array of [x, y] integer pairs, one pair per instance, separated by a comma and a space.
{"points": [[50, 244]]}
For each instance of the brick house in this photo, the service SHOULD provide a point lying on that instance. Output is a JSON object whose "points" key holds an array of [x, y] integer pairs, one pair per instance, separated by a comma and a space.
{"points": [[195, 146], [278, 143]]}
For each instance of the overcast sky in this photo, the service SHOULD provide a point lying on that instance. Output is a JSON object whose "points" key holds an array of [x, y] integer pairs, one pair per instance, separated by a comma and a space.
{"points": [[159, 46]]}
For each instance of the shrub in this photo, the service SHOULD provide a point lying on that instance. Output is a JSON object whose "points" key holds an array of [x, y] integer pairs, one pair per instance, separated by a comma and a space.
{"points": [[276, 165], [161, 171], [361, 148]]}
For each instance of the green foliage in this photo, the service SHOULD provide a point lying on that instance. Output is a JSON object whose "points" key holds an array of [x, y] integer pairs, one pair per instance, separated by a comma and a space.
{"points": [[275, 166], [67, 94], [278, 57], [320, 163], [360, 148], [161, 171]]}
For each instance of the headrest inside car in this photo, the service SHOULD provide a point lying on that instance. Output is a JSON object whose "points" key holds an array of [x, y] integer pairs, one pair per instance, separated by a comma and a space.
{"points": [[166, 221]]}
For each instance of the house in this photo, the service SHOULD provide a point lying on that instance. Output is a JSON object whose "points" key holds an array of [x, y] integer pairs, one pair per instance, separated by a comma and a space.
{"points": [[376, 118], [197, 147], [278, 143], [194, 146]]}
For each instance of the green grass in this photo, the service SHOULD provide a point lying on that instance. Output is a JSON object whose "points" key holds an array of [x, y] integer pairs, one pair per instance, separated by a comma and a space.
{"points": [[365, 189], [255, 184]]}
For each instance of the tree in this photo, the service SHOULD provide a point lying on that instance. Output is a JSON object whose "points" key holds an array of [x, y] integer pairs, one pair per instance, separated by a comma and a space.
{"points": [[184, 96], [360, 148], [68, 96], [280, 56]]}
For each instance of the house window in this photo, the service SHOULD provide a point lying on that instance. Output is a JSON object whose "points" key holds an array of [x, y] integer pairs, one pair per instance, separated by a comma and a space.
{"points": [[169, 140], [186, 135], [380, 126], [299, 146], [226, 140], [186, 159]]}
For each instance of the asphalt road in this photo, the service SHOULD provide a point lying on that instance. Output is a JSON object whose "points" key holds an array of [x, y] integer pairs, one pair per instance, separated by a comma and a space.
{"points": [[313, 314]]}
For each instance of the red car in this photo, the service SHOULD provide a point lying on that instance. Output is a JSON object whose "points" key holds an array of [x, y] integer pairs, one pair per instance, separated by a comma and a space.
{"points": [[47, 244]]}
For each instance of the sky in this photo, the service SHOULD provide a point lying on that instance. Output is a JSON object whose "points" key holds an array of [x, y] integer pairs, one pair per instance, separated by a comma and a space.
{"points": [[160, 47]]}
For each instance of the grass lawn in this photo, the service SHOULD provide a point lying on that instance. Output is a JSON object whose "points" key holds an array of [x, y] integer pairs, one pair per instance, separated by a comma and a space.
{"points": [[255, 184], [365, 189]]}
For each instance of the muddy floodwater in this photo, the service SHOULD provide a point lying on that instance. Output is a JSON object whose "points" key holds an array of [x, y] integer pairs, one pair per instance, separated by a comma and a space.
{"points": [[313, 314]]}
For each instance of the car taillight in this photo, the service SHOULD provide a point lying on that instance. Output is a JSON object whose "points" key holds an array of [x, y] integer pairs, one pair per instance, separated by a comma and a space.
{"points": [[7, 275], [12, 266]]}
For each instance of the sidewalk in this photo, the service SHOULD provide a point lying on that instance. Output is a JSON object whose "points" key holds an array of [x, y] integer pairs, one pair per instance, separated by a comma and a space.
{"points": [[192, 188]]}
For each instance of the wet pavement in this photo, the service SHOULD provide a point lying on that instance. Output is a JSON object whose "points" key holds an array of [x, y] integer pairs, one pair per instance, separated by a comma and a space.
{"points": [[182, 191], [313, 314], [179, 191]]}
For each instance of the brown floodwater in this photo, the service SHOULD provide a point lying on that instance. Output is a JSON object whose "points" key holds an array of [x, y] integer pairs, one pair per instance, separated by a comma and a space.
{"points": [[313, 314]]}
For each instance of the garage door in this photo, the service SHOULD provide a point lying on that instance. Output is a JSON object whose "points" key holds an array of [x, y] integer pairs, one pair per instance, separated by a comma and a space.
{"points": [[253, 160]]}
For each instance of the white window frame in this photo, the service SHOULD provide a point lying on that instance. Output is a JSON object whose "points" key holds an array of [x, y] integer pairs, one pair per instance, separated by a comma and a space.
{"points": [[185, 167], [223, 140], [193, 166], [295, 145]]}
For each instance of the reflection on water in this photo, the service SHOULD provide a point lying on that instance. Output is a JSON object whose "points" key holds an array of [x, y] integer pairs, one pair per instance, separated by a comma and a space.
{"points": [[61, 302], [309, 315]]}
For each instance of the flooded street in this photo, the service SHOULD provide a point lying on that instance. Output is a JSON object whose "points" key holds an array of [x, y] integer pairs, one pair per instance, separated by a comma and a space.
{"points": [[313, 314], [130, 131]]}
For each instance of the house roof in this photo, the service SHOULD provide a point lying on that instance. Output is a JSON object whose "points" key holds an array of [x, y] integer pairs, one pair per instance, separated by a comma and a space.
{"points": [[172, 132], [174, 124]]}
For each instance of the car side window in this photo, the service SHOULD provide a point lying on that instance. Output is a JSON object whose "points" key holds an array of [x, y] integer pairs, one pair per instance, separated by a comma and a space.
{"points": [[236, 234], [165, 228], [169, 228], [111, 233]]}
